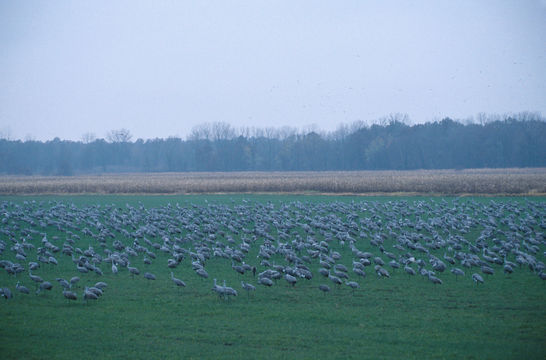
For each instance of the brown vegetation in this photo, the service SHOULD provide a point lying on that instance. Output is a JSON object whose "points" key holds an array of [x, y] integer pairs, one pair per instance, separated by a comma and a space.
{"points": [[448, 182]]}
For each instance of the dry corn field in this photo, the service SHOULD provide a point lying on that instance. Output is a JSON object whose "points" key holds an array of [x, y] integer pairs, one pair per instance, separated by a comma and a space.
{"points": [[429, 182]]}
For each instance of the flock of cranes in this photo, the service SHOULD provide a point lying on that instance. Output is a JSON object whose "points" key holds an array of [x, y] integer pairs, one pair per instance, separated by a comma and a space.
{"points": [[340, 243]]}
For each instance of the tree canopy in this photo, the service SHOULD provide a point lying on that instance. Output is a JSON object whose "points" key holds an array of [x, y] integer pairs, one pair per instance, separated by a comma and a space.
{"points": [[391, 144]]}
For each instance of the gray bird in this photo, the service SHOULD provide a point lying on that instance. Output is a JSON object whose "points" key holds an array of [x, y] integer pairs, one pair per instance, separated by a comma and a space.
{"points": [[324, 288], [265, 281], [409, 270], [149, 276], [202, 273], [219, 289], [21, 288], [229, 291], [74, 280], [457, 272], [6, 293], [89, 295], [65, 284], [248, 287], [434, 279], [177, 282], [133, 270], [353, 285], [70, 295], [291, 280], [46, 285], [477, 278], [335, 279], [101, 285]]}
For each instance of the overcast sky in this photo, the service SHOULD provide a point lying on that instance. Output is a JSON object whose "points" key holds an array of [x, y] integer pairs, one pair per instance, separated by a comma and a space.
{"points": [[158, 68]]}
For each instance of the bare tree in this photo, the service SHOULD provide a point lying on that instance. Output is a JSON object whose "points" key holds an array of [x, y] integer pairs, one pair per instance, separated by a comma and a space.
{"points": [[286, 131], [200, 132], [5, 133], [222, 131], [398, 118], [271, 132], [527, 116], [88, 137], [119, 136]]}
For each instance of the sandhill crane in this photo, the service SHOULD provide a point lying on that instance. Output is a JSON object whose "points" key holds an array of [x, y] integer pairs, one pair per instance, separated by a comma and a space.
{"points": [[323, 271], [487, 270], [341, 274], [358, 265], [434, 279], [70, 295], [325, 264], [21, 288], [89, 295], [238, 268], [324, 288], [457, 272], [177, 282], [53, 261], [35, 278], [6, 293], [394, 264], [74, 280], [409, 270], [94, 290], [265, 281], [218, 289], [101, 285], [171, 263], [46, 285], [365, 262], [439, 266], [359, 272], [97, 270], [477, 278], [381, 272], [65, 284], [149, 276], [340, 267], [133, 270], [508, 269], [248, 287], [229, 291], [335, 279], [449, 259], [114, 268], [291, 279], [353, 285], [202, 273]]}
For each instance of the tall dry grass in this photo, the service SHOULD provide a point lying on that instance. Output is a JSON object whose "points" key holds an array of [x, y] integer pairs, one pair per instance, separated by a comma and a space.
{"points": [[448, 182]]}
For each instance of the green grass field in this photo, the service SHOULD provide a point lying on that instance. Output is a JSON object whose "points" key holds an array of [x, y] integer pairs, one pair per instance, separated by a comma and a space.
{"points": [[401, 317]]}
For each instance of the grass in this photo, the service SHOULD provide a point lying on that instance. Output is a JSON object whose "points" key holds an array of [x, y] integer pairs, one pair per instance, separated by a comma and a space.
{"points": [[427, 182], [400, 317]]}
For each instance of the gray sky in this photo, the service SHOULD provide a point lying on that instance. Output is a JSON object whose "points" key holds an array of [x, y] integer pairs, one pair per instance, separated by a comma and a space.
{"points": [[158, 68]]}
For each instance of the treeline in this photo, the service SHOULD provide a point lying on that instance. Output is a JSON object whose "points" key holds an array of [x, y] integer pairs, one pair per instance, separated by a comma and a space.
{"points": [[446, 144]]}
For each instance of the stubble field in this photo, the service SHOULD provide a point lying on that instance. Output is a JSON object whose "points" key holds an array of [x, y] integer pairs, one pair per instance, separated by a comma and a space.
{"points": [[528, 182]]}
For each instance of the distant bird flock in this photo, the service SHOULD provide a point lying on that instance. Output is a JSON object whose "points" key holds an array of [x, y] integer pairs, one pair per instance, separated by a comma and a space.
{"points": [[266, 244]]}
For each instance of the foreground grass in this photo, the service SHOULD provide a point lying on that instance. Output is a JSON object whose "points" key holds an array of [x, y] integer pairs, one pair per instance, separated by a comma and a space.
{"points": [[400, 317]]}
